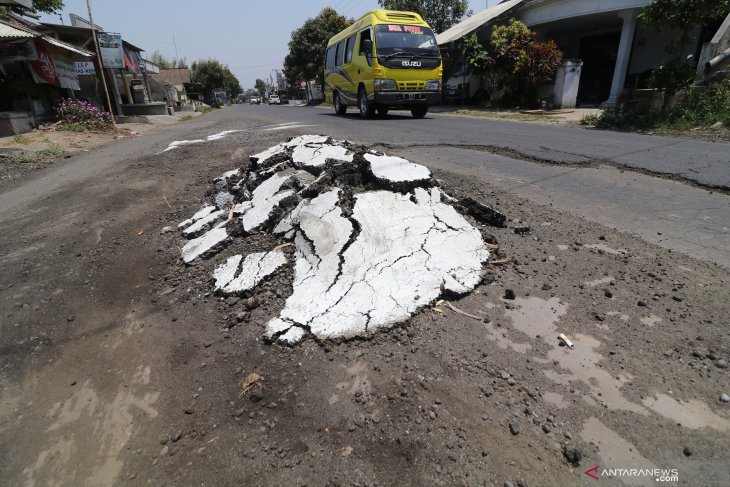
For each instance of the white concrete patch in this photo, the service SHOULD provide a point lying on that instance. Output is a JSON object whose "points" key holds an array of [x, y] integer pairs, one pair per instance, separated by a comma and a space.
{"points": [[201, 225], [229, 279], [316, 155], [403, 257], [264, 156], [203, 245], [265, 198], [179, 143], [396, 169], [202, 213], [362, 260]]}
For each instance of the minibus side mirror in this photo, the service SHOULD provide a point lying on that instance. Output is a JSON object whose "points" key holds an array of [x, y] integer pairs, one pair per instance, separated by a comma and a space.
{"points": [[367, 47]]}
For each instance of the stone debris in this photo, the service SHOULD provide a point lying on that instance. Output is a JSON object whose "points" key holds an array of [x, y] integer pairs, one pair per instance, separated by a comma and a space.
{"points": [[204, 245], [234, 277], [374, 238], [392, 171]]}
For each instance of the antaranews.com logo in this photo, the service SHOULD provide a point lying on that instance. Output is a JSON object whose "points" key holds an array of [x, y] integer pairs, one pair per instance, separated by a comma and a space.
{"points": [[658, 474]]}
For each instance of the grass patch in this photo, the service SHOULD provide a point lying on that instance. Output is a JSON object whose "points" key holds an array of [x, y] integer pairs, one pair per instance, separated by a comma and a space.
{"points": [[21, 139], [185, 118], [699, 108], [51, 152], [522, 117]]}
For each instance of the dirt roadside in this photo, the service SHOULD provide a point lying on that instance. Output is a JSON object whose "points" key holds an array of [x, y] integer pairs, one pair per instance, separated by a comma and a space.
{"points": [[120, 367], [41, 148]]}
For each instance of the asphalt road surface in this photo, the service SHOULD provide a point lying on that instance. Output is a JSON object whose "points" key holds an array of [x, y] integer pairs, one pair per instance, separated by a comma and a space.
{"points": [[120, 366]]}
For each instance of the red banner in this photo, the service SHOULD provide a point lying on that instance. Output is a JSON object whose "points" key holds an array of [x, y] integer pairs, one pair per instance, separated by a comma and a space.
{"points": [[44, 67]]}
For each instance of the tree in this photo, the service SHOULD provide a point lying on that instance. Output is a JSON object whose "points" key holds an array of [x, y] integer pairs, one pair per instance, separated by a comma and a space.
{"points": [[440, 14], [309, 42], [524, 62], [168, 63], [678, 73], [261, 87], [214, 76]]}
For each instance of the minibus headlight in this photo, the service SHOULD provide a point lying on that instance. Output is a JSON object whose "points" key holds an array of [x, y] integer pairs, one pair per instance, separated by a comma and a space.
{"points": [[385, 85], [433, 85]]}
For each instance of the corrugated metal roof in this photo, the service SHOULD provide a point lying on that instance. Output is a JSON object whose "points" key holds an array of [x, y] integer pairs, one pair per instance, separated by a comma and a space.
{"points": [[8, 31], [474, 22], [68, 47]]}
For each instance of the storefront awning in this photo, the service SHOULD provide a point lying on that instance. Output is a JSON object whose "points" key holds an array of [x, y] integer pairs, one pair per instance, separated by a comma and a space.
{"points": [[10, 32], [68, 47], [475, 22]]}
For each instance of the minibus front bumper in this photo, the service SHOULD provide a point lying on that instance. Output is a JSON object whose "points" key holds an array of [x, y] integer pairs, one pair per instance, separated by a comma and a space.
{"points": [[407, 98]]}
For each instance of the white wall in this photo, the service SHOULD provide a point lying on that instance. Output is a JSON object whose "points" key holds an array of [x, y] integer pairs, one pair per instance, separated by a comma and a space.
{"points": [[649, 47]]}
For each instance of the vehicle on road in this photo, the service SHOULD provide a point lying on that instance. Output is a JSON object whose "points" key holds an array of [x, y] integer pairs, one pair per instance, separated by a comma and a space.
{"points": [[386, 59], [254, 100], [274, 100]]}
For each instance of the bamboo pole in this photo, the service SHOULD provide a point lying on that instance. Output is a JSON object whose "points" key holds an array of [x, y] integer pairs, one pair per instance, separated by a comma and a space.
{"points": [[101, 64]]}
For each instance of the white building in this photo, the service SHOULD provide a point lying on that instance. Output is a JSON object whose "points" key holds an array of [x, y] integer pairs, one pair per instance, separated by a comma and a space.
{"points": [[617, 51]]}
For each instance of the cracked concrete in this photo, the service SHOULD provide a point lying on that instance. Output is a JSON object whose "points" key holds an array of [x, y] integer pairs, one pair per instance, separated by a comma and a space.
{"points": [[375, 240]]}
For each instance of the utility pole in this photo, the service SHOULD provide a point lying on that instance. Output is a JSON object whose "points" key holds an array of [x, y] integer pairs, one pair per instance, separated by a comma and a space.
{"points": [[101, 64]]}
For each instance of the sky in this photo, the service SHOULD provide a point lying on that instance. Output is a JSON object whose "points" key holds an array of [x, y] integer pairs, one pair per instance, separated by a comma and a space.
{"points": [[250, 37]]}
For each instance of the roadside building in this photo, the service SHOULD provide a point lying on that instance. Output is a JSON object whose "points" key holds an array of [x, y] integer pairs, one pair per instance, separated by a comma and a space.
{"points": [[608, 53], [36, 70], [169, 85]]}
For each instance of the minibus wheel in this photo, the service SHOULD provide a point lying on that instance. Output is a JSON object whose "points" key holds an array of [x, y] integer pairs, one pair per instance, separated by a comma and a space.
{"points": [[366, 108], [420, 111], [340, 108]]}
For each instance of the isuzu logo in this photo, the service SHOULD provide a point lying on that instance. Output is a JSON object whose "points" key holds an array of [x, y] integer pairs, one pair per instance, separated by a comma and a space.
{"points": [[411, 64]]}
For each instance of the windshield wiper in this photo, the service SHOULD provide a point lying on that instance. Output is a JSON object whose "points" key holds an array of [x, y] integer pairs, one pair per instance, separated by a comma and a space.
{"points": [[392, 54], [425, 55]]}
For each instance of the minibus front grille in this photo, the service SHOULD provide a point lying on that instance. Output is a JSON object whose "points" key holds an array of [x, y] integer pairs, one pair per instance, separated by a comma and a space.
{"points": [[411, 85]]}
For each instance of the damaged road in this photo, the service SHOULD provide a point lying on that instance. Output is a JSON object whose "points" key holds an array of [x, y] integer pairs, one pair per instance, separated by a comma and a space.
{"points": [[124, 365], [375, 239]]}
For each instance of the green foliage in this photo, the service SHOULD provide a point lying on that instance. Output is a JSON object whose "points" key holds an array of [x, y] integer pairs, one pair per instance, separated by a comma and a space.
{"points": [[51, 152], [700, 108], [168, 63], [308, 45], [681, 13], [185, 118], [524, 62], [673, 76], [678, 73], [475, 54], [261, 87], [440, 14], [213, 76]]}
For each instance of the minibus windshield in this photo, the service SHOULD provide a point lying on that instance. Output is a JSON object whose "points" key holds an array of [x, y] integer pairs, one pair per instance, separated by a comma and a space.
{"points": [[405, 40]]}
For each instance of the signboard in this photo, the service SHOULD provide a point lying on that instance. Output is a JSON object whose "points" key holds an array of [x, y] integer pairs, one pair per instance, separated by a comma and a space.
{"points": [[133, 61], [65, 72], [112, 51], [84, 68], [43, 68], [17, 50]]}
